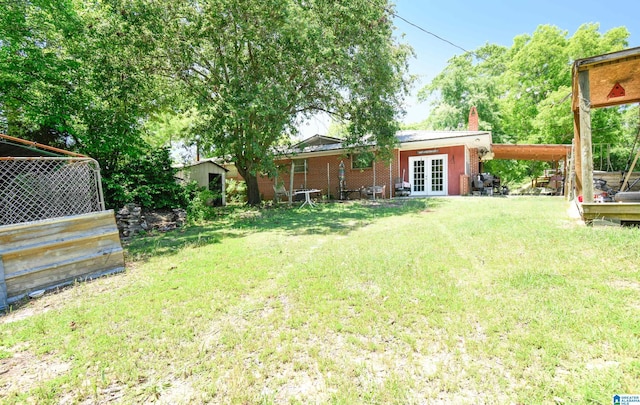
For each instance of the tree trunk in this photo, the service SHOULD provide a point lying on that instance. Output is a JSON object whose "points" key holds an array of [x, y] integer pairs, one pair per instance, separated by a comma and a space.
{"points": [[251, 180], [253, 192]]}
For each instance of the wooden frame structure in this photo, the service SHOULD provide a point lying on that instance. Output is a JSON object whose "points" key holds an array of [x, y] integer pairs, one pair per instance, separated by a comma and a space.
{"points": [[599, 81]]}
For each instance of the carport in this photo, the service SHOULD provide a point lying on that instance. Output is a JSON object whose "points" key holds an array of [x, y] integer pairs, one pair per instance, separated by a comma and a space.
{"points": [[535, 152], [543, 153]]}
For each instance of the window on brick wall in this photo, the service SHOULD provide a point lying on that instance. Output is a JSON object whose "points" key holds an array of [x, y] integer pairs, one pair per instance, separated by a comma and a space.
{"points": [[301, 165], [362, 160]]}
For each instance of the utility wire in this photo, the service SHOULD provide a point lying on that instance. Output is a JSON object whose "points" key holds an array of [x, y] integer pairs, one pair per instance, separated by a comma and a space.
{"points": [[429, 32]]}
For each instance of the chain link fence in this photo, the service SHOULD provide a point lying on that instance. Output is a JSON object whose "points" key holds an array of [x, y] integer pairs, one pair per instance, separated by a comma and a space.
{"points": [[32, 189]]}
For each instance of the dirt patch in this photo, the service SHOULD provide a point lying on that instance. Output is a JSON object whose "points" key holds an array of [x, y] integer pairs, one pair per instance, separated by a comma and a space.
{"points": [[163, 220], [625, 284], [19, 372]]}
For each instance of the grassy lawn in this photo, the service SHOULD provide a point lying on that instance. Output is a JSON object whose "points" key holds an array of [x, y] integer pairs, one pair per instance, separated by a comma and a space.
{"points": [[461, 300]]}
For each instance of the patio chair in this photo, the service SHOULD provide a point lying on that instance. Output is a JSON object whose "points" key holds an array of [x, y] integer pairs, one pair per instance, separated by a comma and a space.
{"points": [[279, 192], [373, 190]]}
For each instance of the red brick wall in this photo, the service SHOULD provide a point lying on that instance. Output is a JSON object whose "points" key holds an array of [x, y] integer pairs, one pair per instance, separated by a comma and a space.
{"points": [[356, 178], [317, 169], [475, 162], [473, 124]]}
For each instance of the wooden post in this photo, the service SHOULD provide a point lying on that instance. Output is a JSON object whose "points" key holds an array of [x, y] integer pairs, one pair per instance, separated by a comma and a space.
{"points": [[567, 179], [584, 102], [374, 176], [391, 185], [328, 181], [576, 167], [293, 169]]}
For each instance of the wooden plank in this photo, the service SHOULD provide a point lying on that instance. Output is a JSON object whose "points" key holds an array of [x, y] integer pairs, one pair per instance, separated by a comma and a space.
{"points": [[585, 136], [26, 233], [607, 57], [614, 179], [602, 78], [55, 239], [42, 257], [3, 287], [615, 211], [44, 254], [65, 273]]}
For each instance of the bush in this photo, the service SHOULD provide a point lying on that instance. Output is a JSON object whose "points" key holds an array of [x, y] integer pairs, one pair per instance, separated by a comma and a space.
{"points": [[200, 206], [147, 180], [236, 191]]}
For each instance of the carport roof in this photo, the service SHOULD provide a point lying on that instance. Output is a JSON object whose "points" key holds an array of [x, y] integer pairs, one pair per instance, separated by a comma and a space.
{"points": [[545, 153]]}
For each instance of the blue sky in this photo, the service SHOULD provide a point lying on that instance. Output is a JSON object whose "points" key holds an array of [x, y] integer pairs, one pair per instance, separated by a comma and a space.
{"points": [[472, 24]]}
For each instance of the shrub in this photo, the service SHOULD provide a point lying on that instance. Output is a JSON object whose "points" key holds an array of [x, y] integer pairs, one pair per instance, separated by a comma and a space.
{"points": [[147, 180], [200, 206], [236, 191]]}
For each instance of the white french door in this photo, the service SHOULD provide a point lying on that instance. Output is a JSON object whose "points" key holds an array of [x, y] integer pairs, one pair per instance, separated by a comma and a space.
{"points": [[428, 175]]}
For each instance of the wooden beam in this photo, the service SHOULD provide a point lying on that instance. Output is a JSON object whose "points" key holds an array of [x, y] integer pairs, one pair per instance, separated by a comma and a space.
{"points": [[291, 174], [577, 156], [607, 57], [602, 79], [545, 153], [585, 136], [619, 211]]}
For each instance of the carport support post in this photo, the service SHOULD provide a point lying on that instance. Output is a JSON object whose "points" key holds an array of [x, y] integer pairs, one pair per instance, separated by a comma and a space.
{"points": [[293, 169], [374, 176], [584, 107]]}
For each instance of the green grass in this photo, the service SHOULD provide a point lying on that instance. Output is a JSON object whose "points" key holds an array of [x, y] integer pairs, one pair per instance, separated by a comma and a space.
{"points": [[462, 300]]}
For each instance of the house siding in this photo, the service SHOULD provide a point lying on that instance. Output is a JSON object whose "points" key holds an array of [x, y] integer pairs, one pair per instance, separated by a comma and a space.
{"points": [[456, 164]]}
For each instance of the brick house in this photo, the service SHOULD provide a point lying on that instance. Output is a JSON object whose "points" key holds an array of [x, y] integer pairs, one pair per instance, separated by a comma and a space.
{"points": [[435, 163]]}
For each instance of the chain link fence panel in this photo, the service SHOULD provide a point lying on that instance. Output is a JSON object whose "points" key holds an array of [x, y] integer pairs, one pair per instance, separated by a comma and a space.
{"points": [[32, 189]]}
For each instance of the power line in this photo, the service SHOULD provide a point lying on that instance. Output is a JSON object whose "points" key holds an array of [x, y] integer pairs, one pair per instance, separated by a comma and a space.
{"points": [[429, 32], [425, 30]]}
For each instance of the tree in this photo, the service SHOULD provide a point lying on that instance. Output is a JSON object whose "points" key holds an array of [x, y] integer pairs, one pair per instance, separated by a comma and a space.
{"points": [[36, 71], [523, 92], [70, 76], [254, 68], [469, 80]]}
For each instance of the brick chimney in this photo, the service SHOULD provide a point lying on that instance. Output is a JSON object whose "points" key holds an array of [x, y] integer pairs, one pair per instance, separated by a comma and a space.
{"points": [[473, 119]]}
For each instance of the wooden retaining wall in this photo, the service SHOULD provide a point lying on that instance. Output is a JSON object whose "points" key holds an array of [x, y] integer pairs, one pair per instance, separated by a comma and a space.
{"points": [[41, 255], [624, 212], [614, 179]]}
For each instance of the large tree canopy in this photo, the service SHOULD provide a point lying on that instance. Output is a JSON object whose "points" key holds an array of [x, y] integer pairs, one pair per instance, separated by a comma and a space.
{"points": [[254, 68], [522, 92], [240, 74]]}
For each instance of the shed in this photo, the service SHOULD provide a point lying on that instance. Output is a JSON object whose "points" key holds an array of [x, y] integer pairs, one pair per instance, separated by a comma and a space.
{"points": [[208, 174]]}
